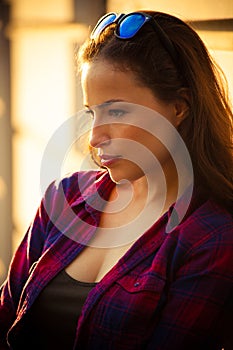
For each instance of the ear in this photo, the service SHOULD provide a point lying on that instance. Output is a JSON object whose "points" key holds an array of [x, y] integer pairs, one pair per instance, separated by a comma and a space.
{"points": [[182, 105]]}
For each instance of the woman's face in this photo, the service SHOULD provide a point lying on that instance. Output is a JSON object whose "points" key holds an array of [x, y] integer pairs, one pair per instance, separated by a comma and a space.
{"points": [[122, 108]]}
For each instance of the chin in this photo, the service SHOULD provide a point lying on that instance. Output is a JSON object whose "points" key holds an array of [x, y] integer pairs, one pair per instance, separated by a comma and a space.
{"points": [[119, 176], [115, 178]]}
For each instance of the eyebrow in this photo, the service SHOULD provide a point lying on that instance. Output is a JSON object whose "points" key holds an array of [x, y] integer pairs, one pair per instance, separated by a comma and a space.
{"points": [[106, 103]]}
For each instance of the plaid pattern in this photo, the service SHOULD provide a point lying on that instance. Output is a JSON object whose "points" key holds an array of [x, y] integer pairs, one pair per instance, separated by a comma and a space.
{"points": [[168, 292]]}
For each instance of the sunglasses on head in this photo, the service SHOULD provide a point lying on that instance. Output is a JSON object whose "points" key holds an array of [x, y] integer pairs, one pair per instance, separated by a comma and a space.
{"points": [[129, 25]]}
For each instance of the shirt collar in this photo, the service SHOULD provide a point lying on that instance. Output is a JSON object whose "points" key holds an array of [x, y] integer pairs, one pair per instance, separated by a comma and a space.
{"points": [[102, 186]]}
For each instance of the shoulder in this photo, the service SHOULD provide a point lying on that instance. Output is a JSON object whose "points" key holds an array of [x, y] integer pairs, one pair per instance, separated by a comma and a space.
{"points": [[210, 227], [209, 219], [203, 243]]}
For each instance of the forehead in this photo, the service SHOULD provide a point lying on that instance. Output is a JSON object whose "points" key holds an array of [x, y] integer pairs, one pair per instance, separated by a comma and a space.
{"points": [[103, 81], [99, 71]]}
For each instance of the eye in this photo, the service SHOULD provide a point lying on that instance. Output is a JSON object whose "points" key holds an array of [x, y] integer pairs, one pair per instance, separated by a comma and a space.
{"points": [[116, 113]]}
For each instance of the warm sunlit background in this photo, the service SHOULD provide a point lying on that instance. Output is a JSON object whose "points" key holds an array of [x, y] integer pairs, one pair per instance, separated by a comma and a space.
{"points": [[39, 89]]}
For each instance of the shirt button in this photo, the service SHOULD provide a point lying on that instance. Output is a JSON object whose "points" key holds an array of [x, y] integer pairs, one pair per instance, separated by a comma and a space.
{"points": [[136, 284]]}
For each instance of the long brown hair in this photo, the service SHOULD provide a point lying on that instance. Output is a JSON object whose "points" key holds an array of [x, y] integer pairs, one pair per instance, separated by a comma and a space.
{"points": [[208, 129]]}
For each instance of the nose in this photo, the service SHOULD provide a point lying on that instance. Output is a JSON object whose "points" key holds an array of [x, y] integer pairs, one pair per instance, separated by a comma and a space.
{"points": [[100, 133]]}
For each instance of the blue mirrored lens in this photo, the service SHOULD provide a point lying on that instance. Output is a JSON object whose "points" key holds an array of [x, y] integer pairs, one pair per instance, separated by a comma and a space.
{"points": [[130, 25], [103, 24]]}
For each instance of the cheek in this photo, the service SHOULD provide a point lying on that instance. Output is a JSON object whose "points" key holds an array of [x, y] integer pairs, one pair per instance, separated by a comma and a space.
{"points": [[149, 150], [141, 148], [159, 151]]}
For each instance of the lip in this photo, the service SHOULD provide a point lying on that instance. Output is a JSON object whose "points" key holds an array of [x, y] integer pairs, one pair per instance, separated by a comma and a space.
{"points": [[108, 159]]}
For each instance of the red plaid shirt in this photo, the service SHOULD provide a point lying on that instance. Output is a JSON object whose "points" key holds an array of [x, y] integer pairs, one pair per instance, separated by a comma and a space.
{"points": [[170, 291]]}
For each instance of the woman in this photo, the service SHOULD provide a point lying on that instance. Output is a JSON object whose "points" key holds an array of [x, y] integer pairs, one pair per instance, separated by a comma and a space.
{"points": [[119, 273]]}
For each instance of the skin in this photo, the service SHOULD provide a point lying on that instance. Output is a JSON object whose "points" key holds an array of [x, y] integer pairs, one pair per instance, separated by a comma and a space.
{"points": [[103, 82]]}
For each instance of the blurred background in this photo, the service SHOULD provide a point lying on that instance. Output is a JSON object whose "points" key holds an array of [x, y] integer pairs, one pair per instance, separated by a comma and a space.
{"points": [[39, 89]]}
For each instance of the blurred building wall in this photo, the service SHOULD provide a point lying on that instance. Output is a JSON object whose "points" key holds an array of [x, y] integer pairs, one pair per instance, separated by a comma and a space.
{"points": [[5, 144], [186, 10]]}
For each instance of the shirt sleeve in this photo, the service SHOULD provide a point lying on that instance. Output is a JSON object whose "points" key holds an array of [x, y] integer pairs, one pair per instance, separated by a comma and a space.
{"points": [[37, 239], [58, 197], [195, 314], [20, 268]]}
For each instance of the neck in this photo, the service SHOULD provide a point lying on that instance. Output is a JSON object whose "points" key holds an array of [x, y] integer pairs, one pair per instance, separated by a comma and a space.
{"points": [[144, 192], [155, 189]]}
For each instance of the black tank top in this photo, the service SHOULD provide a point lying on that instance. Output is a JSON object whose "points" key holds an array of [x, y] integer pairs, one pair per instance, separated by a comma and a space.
{"points": [[52, 320]]}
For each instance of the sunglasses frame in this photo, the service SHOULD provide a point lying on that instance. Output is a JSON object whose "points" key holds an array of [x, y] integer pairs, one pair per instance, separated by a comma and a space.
{"points": [[119, 18]]}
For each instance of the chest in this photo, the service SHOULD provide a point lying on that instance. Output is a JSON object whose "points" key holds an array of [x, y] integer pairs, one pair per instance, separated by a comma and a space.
{"points": [[113, 238], [94, 263]]}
